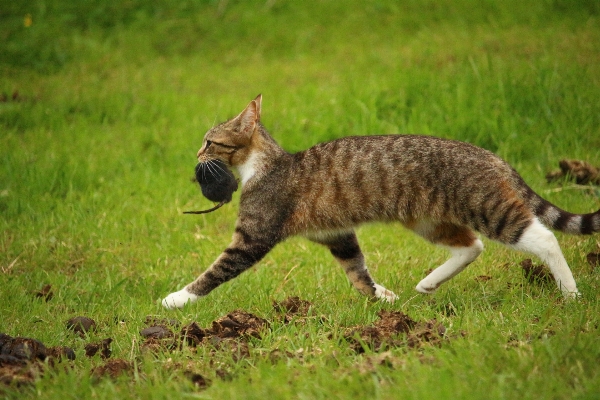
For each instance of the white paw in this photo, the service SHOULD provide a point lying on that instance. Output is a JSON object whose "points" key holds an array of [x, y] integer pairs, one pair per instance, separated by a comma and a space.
{"points": [[179, 299], [573, 295], [424, 287], [384, 294]]}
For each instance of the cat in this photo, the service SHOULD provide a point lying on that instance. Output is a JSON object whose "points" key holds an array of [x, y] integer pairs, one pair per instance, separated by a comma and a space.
{"points": [[444, 190]]}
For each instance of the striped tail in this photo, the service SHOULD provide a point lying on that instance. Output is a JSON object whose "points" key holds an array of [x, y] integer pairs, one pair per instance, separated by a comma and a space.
{"points": [[561, 220]]}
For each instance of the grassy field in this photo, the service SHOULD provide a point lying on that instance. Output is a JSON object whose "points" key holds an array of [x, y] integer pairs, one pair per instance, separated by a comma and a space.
{"points": [[103, 106]]}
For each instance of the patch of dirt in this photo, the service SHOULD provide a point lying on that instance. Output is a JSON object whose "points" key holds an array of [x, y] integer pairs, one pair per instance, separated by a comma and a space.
{"points": [[237, 324], [395, 329], [483, 278], [293, 308], [113, 368], [91, 349], [198, 380], [22, 359], [159, 335], [81, 325], [594, 260], [156, 332], [22, 348], [426, 332], [45, 293], [17, 372], [580, 171], [536, 274], [192, 334], [59, 353]]}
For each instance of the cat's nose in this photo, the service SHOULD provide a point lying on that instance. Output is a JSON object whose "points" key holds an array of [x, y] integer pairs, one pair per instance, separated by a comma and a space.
{"points": [[199, 152]]}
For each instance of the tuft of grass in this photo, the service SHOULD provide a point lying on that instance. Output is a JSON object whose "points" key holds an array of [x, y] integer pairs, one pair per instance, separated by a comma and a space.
{"points": [[103, 107]]}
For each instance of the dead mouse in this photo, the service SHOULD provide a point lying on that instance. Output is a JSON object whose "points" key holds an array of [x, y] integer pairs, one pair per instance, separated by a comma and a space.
{"points": [[216, 182]]}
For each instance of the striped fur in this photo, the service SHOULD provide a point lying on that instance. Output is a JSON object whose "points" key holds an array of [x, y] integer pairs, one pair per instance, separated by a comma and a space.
{"points": [[443, 190]]}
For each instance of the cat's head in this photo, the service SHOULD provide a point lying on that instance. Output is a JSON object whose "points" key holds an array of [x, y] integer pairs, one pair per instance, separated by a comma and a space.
{"points": [[233, 140]]}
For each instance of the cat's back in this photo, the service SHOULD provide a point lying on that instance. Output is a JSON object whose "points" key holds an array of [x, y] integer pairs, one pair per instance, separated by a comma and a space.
{"points": [[363, 178], [394, 154]]}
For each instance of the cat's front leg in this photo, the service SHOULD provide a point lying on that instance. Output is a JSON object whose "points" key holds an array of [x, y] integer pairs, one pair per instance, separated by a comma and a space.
{"points": [[244, 251], [179, 299]]}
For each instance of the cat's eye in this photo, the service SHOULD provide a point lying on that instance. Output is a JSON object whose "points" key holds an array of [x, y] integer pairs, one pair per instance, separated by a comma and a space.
{"points": [[208, 143]]}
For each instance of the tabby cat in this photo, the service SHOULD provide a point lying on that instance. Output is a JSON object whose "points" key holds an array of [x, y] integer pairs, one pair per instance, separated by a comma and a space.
{"points": [[443, 190]]}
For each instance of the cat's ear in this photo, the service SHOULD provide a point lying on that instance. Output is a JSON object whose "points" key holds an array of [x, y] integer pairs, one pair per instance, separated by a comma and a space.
{"points": [[250, 117]]}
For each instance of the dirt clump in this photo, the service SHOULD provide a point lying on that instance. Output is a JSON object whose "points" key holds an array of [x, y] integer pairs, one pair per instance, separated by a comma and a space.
{"points": [[44, 293], [81, 325], [22, 359], [59, 353], [293, 308], [157, 332], [594, 260], [91, 349], [431, 332], [17, 372], [393, 322], [160, 336], [237, 324], [536, 274], [113, 368], [581, 172], [228, 333], [199, 381], [394, 329], [193, 334], [22, 348]]}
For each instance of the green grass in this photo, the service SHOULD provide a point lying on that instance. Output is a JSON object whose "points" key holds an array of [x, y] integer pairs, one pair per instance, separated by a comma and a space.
{"points": [[99, 145]]}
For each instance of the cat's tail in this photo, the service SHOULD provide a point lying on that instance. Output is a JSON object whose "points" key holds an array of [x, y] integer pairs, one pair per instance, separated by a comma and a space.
{"points": [[561, 220]]}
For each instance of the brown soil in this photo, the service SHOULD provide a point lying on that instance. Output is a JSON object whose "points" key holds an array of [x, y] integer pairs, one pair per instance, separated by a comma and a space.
{"points": [[21, 348], [113, 368], [580, 171], [156, 332], [536, 274], [594, 260], [81, 325], [21, 359], [192, 334], [103, 346], [293, 308], [395, 329], [198, 380], [17, 372], [59, 353], [45, 293], [237, 324]]}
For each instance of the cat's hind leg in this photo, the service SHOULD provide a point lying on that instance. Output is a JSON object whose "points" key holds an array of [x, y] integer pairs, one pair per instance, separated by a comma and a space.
{"points": [[464, 246], [344, 247], [540, 241]]}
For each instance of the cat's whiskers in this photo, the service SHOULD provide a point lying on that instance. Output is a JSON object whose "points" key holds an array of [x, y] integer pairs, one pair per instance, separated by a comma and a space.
{"points": [[216, 165]]}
